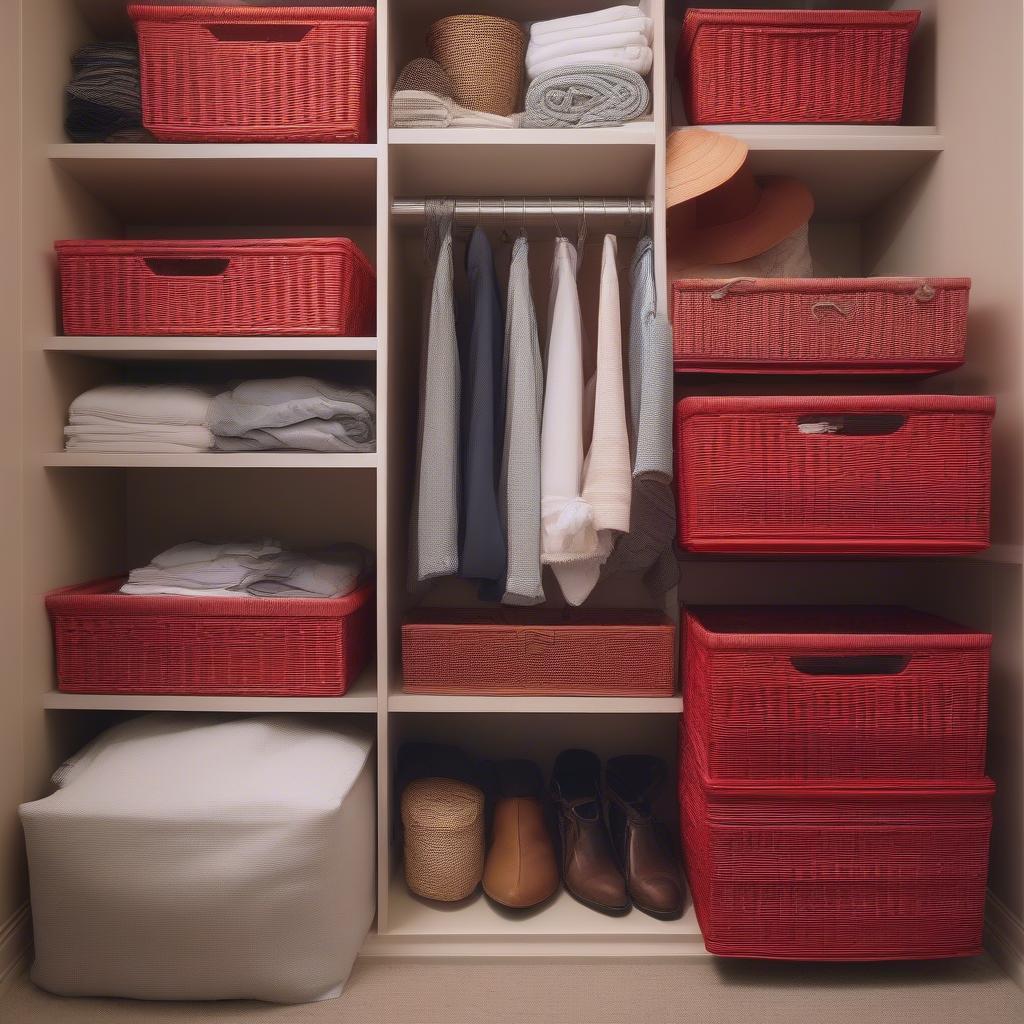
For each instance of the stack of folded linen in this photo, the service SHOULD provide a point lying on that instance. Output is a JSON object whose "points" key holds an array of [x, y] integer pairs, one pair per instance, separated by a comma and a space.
{"points": [[103, 98], [620, 36], [294, 413], [168, 418], [424, 98], [257, 569]]}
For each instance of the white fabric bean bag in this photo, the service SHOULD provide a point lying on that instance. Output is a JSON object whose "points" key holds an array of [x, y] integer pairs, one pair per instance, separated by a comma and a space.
{"points": [[205, 857]]}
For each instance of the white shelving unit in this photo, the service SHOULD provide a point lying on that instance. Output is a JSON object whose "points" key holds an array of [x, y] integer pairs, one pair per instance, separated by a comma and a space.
{"points": [[936, 199]]}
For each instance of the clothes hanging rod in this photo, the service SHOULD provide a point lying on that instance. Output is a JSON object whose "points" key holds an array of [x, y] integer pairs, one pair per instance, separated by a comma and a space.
{"points": [[511, 207]]}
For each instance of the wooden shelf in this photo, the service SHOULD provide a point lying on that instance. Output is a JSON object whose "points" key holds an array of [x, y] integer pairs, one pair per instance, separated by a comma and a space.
{"points": [[361, 699], [849, 168], [448, 704], [637, 133], [562, 927], [215, 348], [213, 460], [226, 183]]}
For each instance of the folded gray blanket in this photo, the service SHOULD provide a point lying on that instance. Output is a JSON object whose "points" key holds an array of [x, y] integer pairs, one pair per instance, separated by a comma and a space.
{"points": [[586, 96], [297, 413]]}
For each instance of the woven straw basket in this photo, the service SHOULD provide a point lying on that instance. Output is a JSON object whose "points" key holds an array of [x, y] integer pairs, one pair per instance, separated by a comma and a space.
{"points": [[484, 58], [444, 838]]}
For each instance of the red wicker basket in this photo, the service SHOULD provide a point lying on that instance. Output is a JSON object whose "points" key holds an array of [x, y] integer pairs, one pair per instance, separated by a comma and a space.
{"points": [[891, 474], [833, 693], [107, 642], [538, 651], [276, 286], [256, 74], [837, 873], [884, 325], [767, 67]]}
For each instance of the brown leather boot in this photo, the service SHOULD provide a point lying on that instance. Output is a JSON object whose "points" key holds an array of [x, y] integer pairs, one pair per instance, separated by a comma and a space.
{"points": [[642, 844], [589, 870], [521, 869]]}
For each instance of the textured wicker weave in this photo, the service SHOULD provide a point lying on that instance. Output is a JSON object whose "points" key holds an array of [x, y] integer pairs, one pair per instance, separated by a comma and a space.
{"points": [[833, 693], [750, 480], [277, 286], [770, 67], [886, 325], [246, 74], [532, 651], [828, 873], [443, 821], [108, 642], [484, 58], [425, 75]]}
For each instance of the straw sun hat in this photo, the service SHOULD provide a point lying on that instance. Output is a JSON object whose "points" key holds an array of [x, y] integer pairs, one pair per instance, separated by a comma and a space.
{"points": [[719, 212]]}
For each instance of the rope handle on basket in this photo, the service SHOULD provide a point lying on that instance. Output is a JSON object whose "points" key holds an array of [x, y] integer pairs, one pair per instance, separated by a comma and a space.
{"points": [[723, 291]]}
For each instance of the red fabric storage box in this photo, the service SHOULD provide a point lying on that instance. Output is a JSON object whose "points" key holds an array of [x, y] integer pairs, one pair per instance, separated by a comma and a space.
{"points": [[520, 652], [768, 67], [275, 286], [880, 325], [256, 74], [833, 693], [831, 872], [107, 642], [879, 474]]}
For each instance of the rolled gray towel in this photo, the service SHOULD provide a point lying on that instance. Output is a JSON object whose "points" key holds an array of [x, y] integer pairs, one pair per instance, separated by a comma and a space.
{"points": [[586, 96]]}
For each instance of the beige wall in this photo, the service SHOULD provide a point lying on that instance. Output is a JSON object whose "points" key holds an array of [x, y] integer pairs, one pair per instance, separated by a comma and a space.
{"points": [[12, 880], [964, 216]]}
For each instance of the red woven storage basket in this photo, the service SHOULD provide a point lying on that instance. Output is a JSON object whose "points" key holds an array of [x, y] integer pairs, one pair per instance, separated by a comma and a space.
{"points": [[833, 693], [276, 286], [882, 325], [768, 67], [256, 74], [538, 651], [107, 642], [837, 873], [887, 474]]}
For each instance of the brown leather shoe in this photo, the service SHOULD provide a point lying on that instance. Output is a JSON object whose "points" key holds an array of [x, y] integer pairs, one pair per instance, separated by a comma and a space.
{"points": [[589, 870], [641, 842], [521, 869]]}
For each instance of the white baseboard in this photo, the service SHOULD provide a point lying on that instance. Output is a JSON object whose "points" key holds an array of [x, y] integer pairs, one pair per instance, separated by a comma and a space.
{"points": [[15, 941], [1004, 938]]}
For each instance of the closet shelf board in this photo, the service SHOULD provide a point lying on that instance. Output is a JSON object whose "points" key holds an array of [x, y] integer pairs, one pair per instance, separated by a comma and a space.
{"points": [[841, 137], [414, 922], [553, 705], [214, 348], [214, 460], [225, 184], [638, 133], [361, 699]]}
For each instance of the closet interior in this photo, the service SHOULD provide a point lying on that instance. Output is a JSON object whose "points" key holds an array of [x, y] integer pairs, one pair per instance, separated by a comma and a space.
{"points": [[937, 196]]}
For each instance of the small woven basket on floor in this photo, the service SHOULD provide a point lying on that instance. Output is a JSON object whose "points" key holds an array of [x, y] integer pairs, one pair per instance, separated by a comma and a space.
{"points": [[484, 58], [443, 822]]}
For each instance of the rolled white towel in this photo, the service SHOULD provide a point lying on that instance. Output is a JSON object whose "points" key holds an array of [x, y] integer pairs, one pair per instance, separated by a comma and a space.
{"points": [[583, 22], [538, 53], [645, 26], [166, 404], [636, 58]]}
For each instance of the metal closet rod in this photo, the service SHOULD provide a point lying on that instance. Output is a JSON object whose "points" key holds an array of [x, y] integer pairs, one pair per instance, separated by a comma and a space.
{"points": [[512, 206]]}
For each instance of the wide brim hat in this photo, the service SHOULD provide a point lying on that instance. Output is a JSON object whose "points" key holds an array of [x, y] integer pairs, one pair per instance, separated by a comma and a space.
{"points": [[773, 208], [698, 161]]}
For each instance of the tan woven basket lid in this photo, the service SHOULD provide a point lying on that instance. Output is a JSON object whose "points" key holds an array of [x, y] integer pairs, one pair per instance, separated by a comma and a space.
{"points": [[425, 75], [444, 838]]}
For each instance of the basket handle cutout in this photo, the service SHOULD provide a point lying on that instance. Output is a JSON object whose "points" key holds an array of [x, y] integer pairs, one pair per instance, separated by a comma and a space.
{"points": [[820, 309], [184, 266], [865, 424], [851, 664], [259, 33]]}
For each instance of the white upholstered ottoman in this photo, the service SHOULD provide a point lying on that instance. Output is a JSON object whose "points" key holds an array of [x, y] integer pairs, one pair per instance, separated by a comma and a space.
{"points": [[205, 857]]}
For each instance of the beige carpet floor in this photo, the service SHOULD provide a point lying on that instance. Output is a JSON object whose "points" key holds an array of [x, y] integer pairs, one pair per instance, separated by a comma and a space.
{"points": [[974, 992]]}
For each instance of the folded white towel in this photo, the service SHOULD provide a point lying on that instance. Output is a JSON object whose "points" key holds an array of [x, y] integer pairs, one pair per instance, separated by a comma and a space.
{"points": [[194, 551], [641, 24], [636, 58], [167, 404], [414, 108], [583, 22], [331, 573], [86, 435], [537, 53], [129, 447]]}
